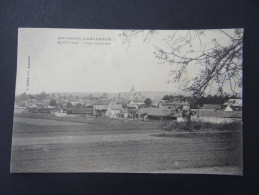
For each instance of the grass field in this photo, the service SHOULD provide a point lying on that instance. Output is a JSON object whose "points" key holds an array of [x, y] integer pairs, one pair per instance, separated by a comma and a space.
{"points": [[41, 145]]}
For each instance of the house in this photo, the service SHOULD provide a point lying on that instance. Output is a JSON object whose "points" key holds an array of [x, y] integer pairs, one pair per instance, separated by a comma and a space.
{"points": [[175, 104], [132, 105], [30, 106], [155, 103], [75, 102], [37, 103], [140, 102], [58, 112], [228, 109], [19, 109], [116, 111], [122, 101], [100, 107], [233, 105], [212, 106]]}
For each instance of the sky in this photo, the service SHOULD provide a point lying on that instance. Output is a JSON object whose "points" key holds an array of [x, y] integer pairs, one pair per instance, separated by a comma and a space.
{"points": [[56, 66]]}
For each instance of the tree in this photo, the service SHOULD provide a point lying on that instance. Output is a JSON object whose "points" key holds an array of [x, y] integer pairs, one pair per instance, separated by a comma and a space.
{"points": [[148, 102], [60, 104], [42, 96], [105, 95], [70, 97], [166, 97], [31, 96], [220, 62], [171, 97], [69, 105], [22, 97], [53, 102], [78, 105]]}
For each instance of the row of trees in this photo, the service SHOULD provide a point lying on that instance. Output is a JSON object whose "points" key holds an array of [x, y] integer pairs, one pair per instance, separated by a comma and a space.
{"points": [[43, 96], [199, 102]]}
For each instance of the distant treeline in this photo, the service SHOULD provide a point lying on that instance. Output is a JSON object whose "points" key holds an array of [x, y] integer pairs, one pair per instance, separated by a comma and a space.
{"points": [[43, 96], [196, 103]]}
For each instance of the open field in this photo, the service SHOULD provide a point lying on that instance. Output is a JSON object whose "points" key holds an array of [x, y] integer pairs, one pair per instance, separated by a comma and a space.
{"points": [[41, 145]]}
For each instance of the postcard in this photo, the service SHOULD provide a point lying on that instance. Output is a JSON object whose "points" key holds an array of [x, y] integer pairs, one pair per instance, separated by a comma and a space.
{"points": [[128, 101]]}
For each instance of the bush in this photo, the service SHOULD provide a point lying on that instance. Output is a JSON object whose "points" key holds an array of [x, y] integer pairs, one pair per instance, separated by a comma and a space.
{"points": [[235, 125], [199, 125]]}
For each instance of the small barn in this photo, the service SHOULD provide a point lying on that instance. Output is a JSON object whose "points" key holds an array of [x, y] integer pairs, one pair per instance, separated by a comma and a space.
{"points": [[132, 105], [19, 110], [116, 111], [233, 105], [100, 107]]}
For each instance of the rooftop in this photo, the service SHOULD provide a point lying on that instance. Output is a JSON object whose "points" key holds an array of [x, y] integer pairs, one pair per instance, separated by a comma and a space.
{"points": [[102, 102], [233, 102]]}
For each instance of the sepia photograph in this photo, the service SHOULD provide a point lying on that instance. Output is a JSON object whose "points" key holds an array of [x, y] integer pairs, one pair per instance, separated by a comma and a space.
{"points": [[128, 101]]}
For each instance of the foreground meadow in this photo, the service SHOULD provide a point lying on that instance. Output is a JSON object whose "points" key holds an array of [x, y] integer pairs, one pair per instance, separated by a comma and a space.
{"points": [[41, 145]]}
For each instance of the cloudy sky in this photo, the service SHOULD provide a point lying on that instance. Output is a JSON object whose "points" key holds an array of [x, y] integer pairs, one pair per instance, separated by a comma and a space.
{"points": [[85, 67]]}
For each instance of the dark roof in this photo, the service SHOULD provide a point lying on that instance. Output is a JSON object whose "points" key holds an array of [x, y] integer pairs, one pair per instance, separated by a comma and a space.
{"points": [[155, 111], [233, 102], [91, 102], [116, 107], [139, 101], [123, 110], [44, 110], [132, 104], [212, 106], [102, 102], [121, 101]]}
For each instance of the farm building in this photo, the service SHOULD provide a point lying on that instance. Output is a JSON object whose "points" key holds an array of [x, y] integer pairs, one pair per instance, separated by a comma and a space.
{"points": [[132, 105], [116, 111], [19, 109], [58, 112], [140, 102], [100, 107], [155, 103], [121, 101], [233, 105]]}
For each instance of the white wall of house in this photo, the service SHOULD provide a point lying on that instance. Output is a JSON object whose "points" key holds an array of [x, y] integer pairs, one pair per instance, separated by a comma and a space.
{"points": [[228, 109]]}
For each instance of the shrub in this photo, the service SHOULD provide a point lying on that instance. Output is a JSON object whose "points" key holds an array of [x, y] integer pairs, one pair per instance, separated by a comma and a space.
{"points": [[199, 125], [235, 125]]}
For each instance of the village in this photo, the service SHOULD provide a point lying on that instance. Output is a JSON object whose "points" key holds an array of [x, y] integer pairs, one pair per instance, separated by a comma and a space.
{"points": [[132, 106]]}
